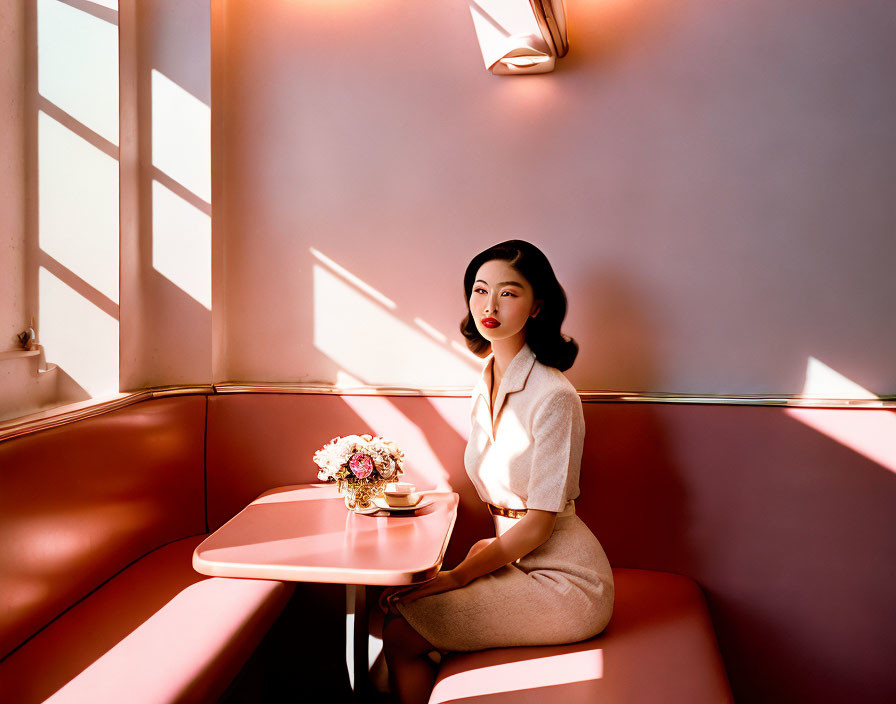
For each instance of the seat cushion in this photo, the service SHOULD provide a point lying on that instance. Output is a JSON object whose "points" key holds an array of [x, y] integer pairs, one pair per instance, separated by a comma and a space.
{"points": [[80, 501], [659, 647], [156, 632]]}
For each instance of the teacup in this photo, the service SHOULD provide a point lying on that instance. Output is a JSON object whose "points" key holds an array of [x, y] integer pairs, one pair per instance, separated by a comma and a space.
{"points": [[401, 494]]}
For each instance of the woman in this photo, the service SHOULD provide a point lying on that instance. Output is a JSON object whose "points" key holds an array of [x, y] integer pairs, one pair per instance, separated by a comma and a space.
{"points": [[544, 578]]}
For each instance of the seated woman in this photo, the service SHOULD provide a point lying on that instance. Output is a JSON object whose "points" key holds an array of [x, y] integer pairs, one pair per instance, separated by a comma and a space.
{"points": [[544, 579]]}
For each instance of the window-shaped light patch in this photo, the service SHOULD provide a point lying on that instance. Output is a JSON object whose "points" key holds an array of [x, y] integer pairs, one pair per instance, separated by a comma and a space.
{"points": [[373, 344], [78, 336], [524, 674], [824, 382], [181, 136], [868, 432], [77, 65], [78, 205], [384, 418], [182, 244]]}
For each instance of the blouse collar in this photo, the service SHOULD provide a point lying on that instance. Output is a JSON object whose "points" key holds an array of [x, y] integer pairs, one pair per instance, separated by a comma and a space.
{"points": [[514, 378]]}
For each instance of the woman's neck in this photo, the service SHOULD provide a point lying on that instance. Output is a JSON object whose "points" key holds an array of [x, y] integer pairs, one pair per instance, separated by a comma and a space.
{"points": [[505, 351]]}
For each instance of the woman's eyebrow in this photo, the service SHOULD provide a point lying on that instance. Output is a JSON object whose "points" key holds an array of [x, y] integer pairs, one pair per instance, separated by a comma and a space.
{"points": [[503, 283]]}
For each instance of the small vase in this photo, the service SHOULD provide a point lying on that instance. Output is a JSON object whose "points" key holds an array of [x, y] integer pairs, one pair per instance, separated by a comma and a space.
{"points": [[358, 496]]}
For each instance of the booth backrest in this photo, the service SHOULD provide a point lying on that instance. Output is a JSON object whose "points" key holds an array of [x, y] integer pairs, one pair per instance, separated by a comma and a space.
{"points": [[80, 502], [785, 517]]}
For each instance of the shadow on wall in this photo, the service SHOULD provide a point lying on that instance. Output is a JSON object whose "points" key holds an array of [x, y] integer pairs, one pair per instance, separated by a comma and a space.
{"points": [[645, 518], [617, 338]]}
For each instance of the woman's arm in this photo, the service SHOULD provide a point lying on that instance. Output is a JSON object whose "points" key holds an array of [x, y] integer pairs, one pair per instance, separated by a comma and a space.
{"points": [[530, 532]]}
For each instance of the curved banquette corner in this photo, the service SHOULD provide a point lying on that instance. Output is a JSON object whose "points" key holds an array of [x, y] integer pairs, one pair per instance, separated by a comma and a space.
{"points": [[751, 545], [98, 522]]}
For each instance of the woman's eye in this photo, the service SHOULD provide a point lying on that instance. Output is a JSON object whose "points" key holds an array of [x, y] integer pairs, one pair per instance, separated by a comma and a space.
{"points": [[478, 290], [508, 293]]}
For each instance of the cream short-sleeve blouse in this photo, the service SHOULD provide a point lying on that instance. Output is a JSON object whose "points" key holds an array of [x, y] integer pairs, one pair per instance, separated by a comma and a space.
{"points": [[531, 457]]}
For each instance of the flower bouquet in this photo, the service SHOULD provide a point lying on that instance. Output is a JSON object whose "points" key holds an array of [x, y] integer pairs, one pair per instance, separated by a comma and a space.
{"points": [[360, 465]]}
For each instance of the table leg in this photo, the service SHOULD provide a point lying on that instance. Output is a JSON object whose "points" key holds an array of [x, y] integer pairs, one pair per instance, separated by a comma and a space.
{"points": [[356, 631]]}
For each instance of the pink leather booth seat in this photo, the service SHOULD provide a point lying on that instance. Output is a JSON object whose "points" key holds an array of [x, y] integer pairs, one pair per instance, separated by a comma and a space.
{"points": [[659, 647], [157, 632], [99, 601], [81, 501]]}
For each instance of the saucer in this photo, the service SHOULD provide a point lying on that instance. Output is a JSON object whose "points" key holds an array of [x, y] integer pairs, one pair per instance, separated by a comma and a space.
{"points": [[381, 503]]}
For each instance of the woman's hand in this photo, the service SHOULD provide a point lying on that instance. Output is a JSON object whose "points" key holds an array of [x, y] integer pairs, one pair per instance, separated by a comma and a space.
{"points": [[444, 581]]}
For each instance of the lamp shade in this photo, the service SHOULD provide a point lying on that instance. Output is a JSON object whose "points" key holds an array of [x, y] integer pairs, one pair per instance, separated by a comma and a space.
{"points": [[520, 36]]}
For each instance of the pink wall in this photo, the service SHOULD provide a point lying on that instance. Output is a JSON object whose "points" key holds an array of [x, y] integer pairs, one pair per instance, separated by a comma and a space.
{"points": [[166, 333], [15, 373], [711, 182], [13, 316]]}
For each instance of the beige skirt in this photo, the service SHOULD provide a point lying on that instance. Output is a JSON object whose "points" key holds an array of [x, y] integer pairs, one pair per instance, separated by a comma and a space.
{"points": [[561, 592]]}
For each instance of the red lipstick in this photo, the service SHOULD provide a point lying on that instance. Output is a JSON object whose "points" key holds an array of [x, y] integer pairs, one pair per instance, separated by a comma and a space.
{"points": [[490, 322]]}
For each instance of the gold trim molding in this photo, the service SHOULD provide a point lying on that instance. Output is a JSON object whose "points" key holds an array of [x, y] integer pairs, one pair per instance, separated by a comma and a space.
{"points": [[331, 389], [71, 413], [64, 415]]}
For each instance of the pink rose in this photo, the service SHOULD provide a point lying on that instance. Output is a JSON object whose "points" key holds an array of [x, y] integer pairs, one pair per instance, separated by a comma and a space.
{"points": [[361, 465]]}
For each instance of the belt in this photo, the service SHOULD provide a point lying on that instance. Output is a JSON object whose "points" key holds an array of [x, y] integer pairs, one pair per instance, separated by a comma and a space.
{"points": [[568, 510], [506, 512]]}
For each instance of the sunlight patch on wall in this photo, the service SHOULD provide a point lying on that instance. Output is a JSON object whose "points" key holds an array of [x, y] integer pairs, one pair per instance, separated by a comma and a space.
{"points": [[77, 65], [349, 276], [455, 412], [372, 344], [78, 336], [465, 352], [871, 433], [78, 205], [182, 244], [384, 419], [824, 382], [430, 330], [181, 136]]}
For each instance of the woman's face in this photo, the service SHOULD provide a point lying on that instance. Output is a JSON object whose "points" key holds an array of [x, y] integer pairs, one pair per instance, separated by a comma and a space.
{"points": [[501, 301]]}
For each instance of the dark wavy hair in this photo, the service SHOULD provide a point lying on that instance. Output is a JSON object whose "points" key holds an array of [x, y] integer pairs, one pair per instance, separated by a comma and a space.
{"points": [[543, 335]]}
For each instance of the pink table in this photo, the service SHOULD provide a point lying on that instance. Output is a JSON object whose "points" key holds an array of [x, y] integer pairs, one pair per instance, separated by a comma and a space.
{"points": [[303, 533]]}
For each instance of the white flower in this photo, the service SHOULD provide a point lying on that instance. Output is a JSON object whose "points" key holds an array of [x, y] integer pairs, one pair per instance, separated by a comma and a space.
{"points": [[388, 469], [333, 458]]}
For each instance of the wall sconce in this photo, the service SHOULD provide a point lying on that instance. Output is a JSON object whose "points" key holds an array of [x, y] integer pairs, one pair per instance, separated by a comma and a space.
{"points": [[520, 36]]}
